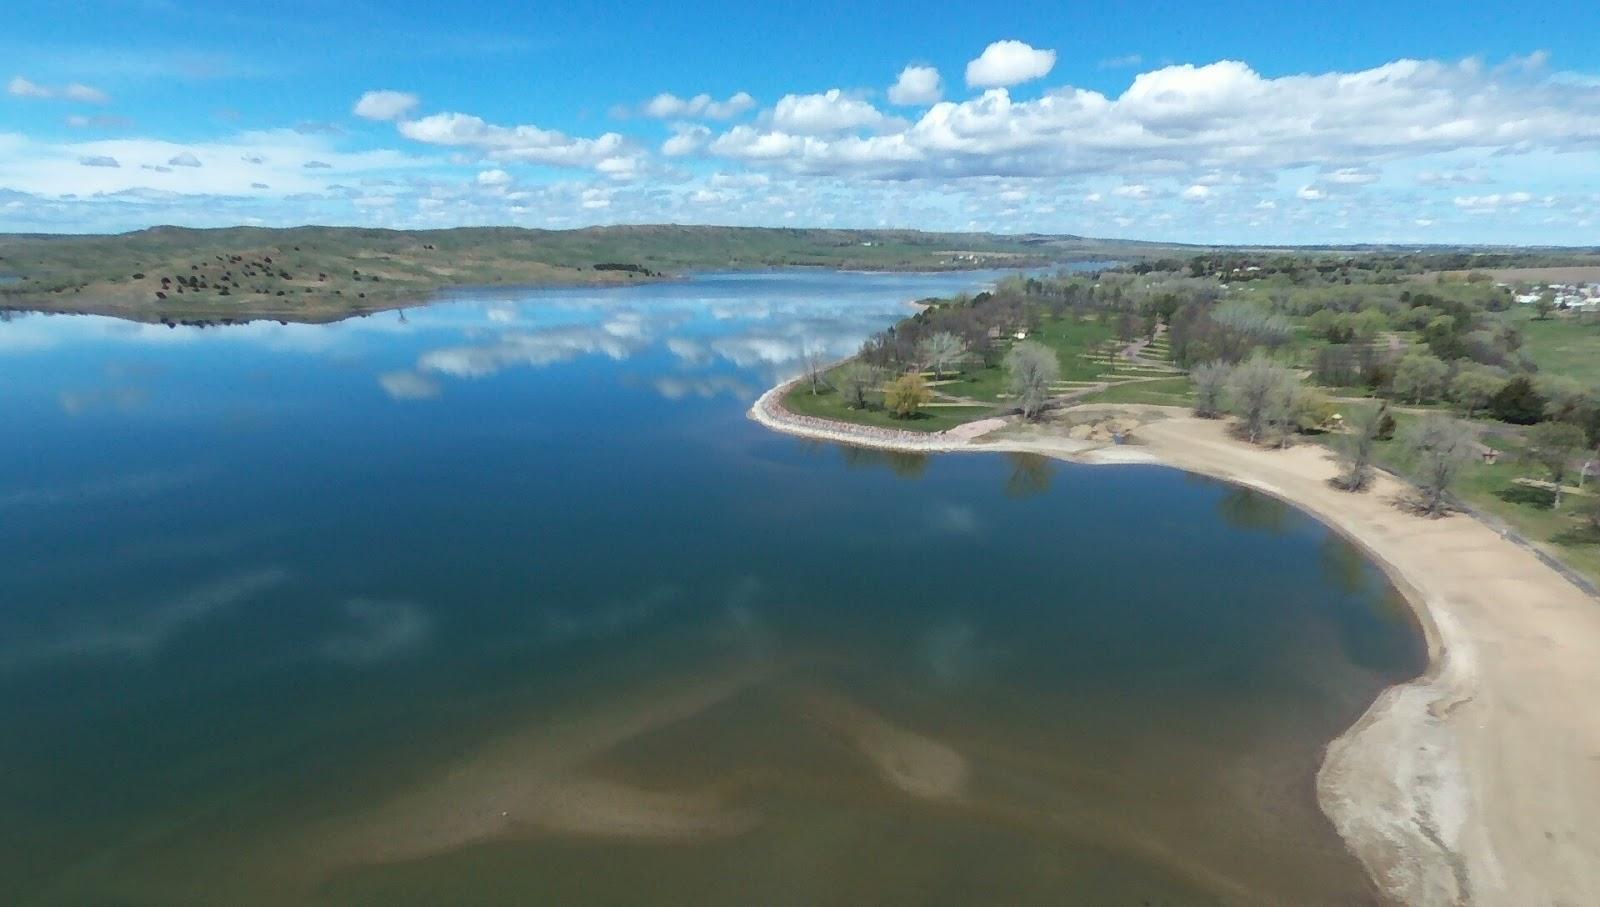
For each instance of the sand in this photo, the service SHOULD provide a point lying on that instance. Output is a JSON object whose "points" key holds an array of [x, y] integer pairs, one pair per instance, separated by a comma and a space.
{"points": [[1478, 782], [540, 779], [906, 760]]}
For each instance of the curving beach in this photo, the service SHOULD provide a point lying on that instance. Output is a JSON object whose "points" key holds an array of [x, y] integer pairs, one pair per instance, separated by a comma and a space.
{"points": [[1476, 783]]}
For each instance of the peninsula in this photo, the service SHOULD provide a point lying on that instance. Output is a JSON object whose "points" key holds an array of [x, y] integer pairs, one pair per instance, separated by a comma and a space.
{"points": [[1471, 784]]}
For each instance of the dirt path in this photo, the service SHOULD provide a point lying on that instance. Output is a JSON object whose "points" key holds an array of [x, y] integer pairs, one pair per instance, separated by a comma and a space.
{"points": [[1479, 782]]}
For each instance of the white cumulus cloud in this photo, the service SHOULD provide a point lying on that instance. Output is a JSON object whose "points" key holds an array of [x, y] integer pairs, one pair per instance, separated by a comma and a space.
{"points": [[831, 112], [385, 105], [668, 106], [1006, 63], [917, 86]]}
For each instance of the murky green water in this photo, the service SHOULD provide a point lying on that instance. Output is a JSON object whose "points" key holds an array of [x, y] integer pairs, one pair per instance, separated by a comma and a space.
{"points": [[505, 601]]}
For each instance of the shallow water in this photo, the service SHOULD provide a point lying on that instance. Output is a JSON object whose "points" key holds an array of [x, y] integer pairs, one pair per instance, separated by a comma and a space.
{"points": [[505, 601]]}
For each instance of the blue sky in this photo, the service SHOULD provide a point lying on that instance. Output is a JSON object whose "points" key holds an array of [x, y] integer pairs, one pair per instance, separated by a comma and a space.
{"points": [[1238, 122]]}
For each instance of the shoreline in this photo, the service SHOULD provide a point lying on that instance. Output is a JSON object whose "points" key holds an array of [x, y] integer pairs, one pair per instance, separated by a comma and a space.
{"points": [[1474, 783], [112, 305]]}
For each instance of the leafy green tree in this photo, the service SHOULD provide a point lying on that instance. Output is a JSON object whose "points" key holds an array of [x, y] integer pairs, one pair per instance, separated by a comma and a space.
{"points": [[1473, 388], [906, 395], [1544, 305], [1030, 370], [1420, 377], [1554, 445], [1439, 447], [1519, 402]]}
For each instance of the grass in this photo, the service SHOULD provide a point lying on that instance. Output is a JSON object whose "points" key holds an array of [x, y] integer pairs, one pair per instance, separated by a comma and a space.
{"points": [[1071, 340], [1494, 490], [1163, 392], [1564, 344], [829, 405]]}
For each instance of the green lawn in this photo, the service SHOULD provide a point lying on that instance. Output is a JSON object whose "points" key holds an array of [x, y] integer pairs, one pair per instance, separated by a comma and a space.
{"points": [[1072, 340], [1165, 392], [1562, 345], [1495, 491], [829, 405]]}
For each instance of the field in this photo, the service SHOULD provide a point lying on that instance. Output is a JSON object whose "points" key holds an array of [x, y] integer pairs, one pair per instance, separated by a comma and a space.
{"points": [[323, 273], [1564, 344]]}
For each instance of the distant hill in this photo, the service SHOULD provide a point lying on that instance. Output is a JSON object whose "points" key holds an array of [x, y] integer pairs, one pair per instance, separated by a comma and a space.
{"points": [[322, 273]]}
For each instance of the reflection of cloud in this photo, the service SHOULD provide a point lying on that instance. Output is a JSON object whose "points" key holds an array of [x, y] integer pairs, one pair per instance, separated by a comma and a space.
{"points": [[408, 385], [677, 388], [124, 399], [380, 630], [625, 324], [143, 635], [690, 351], [952, 652], [750, 350], [607, 620], [954, 519], [132, 485], [536, 348]]}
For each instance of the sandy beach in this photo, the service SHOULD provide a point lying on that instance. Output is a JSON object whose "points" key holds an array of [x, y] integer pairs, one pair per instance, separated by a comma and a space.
{"points": [[1476, 783]]}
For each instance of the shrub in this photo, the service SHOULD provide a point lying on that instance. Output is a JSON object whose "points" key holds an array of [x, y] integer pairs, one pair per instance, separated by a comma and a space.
{"points": [[906, 395], [1519, 402]]}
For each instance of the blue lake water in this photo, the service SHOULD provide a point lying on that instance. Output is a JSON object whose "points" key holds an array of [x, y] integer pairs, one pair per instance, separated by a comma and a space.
{"points": [[504, 600]]}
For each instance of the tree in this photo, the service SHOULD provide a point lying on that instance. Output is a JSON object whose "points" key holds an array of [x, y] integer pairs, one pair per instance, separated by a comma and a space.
{"points": [[906, 395], [1210, 383], [1356, 446], [941, 351], [1254, 387], [1439, 447], [1030, 370], [1286, 405], [1554, 445], [854, 380], [1565, 399], [1420, 376], [1473, 388], [811, 360], [1519, 402], [1544, 305]]}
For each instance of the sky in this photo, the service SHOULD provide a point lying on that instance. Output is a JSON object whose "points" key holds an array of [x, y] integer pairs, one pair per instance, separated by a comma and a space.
{"points": [[1238, 122]]}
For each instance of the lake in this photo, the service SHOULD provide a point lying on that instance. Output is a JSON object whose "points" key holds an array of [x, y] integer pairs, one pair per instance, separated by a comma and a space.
{"points": [[505, 601]]}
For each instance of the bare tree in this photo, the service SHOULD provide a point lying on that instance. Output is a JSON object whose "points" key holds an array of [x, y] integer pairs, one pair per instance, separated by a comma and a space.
{"points": [[854, 380], [811, 359], [1439, 447], [1288, 400], [941, 351], [1030, 370], [1356, 446], [1254, 386], [1210, 384]]}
